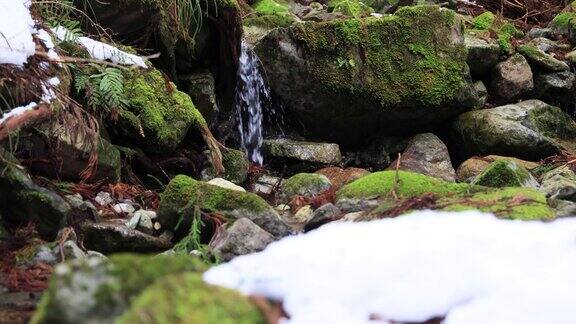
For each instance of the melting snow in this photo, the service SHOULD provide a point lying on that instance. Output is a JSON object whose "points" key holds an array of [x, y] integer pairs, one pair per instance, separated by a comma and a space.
{"points": [[470, 267], [102, 51], [16, 29], [17, 111]]}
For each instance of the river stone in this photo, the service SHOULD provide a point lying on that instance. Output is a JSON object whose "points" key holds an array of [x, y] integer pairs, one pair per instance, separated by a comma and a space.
{"points": [[265, 184], [184, 196], [559, 183], [473, 166], [325, 214], [346, 80], [556, 89], [427, 154], [235, 164], [22, 201], [512, 79], [323, 153], [529, 130], [114, 236], [502, 173], [483, 54], [306, 185], [243, 237], [540, 60]]}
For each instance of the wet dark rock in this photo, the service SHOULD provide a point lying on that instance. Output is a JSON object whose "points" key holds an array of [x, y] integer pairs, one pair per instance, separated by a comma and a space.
{"points": [[556, 89], [512, 79]]}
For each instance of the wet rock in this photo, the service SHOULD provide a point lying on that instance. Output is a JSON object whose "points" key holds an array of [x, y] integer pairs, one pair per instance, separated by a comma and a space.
{"points": [[96, 290], [306, 185], [225, 184], [512, 79], [472, 167], [529, 130], [483, 54], [556, 89], [373, 88], [322, 215], [322, 153], [427, 154], [339, 177], [184, 195], [243, 237], [114, 236], [22, 201], [235, 164], [500, 174], [540, 60], [559, 183], [200, 87]]}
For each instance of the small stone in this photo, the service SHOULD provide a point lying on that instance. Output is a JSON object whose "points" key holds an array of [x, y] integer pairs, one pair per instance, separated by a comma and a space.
{"points": [[540, 32], [146, 223], [283, 208], [222, 183], [347, 205], [243, 237], [124, 208], [512, 79], [157, 226], [303, 214], [559, 183], [132, 223], [352, 217], [265, 184], [103, 198], [322, 215], [541, 60], [70, 250], [323, 153], [571, 57], [46, 255], [75, 200], [563, 208]]}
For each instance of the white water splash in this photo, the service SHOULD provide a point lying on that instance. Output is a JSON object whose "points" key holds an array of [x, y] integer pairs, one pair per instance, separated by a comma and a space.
{"points": [[252, 99]]}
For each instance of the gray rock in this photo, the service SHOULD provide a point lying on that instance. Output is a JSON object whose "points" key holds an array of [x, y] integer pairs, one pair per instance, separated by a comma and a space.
{"points": [[132, 223], [323, 153], [540, 32], [482, 93], [556, 89], [529, 130], [563, 208], [322, 215], [483, 54], [546, 45], [145, 221], [512, 79], [222, 183], [427, 154], [69, 250], [46, 255], [306, 185], [124, 208], [303, 214], [346, 205], [200, 87], [114, 236], [540, 60], [370, 92], [103, 198], [22, 201], [559, 183], [243, 237], [235, 164], [266, 184]]}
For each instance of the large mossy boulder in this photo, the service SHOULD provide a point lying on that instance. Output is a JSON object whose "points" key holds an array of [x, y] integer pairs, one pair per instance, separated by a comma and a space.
{"points": [[98, 290], [184, 197], [400, 192], [346, 79], [186, 299], [22, 201], [158, 116], [529, 130]]}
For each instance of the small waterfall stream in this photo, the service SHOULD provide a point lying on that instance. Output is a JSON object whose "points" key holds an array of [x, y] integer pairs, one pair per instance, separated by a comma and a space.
{"points": [[252, 101]]}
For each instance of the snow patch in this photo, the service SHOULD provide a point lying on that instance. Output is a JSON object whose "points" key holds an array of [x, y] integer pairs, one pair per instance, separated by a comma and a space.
{"points": [[16, 29], [102, 51], [470, 267], [17, 111]]}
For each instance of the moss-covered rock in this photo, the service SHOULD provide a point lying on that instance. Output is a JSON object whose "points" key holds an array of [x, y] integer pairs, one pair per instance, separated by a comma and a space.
{"points": [[472, 167], [22, 201], [565, 22], [541, 60], [504, 30], [503, 173], [394, 190], [185, 298], [184, 196], [235, 164], [97, 290], [559, 183], [344, 79], [158, 115], [304, 184], [529, 130]]}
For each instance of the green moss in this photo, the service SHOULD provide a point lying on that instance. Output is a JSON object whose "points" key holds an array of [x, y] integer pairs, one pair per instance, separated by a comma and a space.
{"points": [[269, 21], [564, 20], [502, 174], [164, 112], [389, 69], [184, 195], [484, 21], [553, 122], [509, 203], [405, 184], [235, 164], [350, 8], [185, 298], [305, 184], [270, 7]]}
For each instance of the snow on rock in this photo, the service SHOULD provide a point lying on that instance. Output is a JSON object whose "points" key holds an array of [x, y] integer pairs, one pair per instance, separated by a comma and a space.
{"points": [[102, 51], [470, 267], [16, 29], [17, 111]]}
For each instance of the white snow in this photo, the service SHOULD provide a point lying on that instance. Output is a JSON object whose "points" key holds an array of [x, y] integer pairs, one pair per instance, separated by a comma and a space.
{"points": [[16, 29], [102, 51], [470, 267], [17, 111], [47, 40]]}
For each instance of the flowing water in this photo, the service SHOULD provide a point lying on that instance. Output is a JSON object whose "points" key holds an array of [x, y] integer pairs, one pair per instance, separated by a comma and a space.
{"points": [[253, 101]]}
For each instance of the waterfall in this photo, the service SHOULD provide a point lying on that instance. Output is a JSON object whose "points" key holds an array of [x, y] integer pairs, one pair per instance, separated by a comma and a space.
{"points": [[252, 101]]}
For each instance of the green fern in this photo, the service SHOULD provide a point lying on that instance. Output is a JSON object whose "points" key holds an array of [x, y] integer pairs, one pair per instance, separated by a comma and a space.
{"points": [[103, 90]]}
